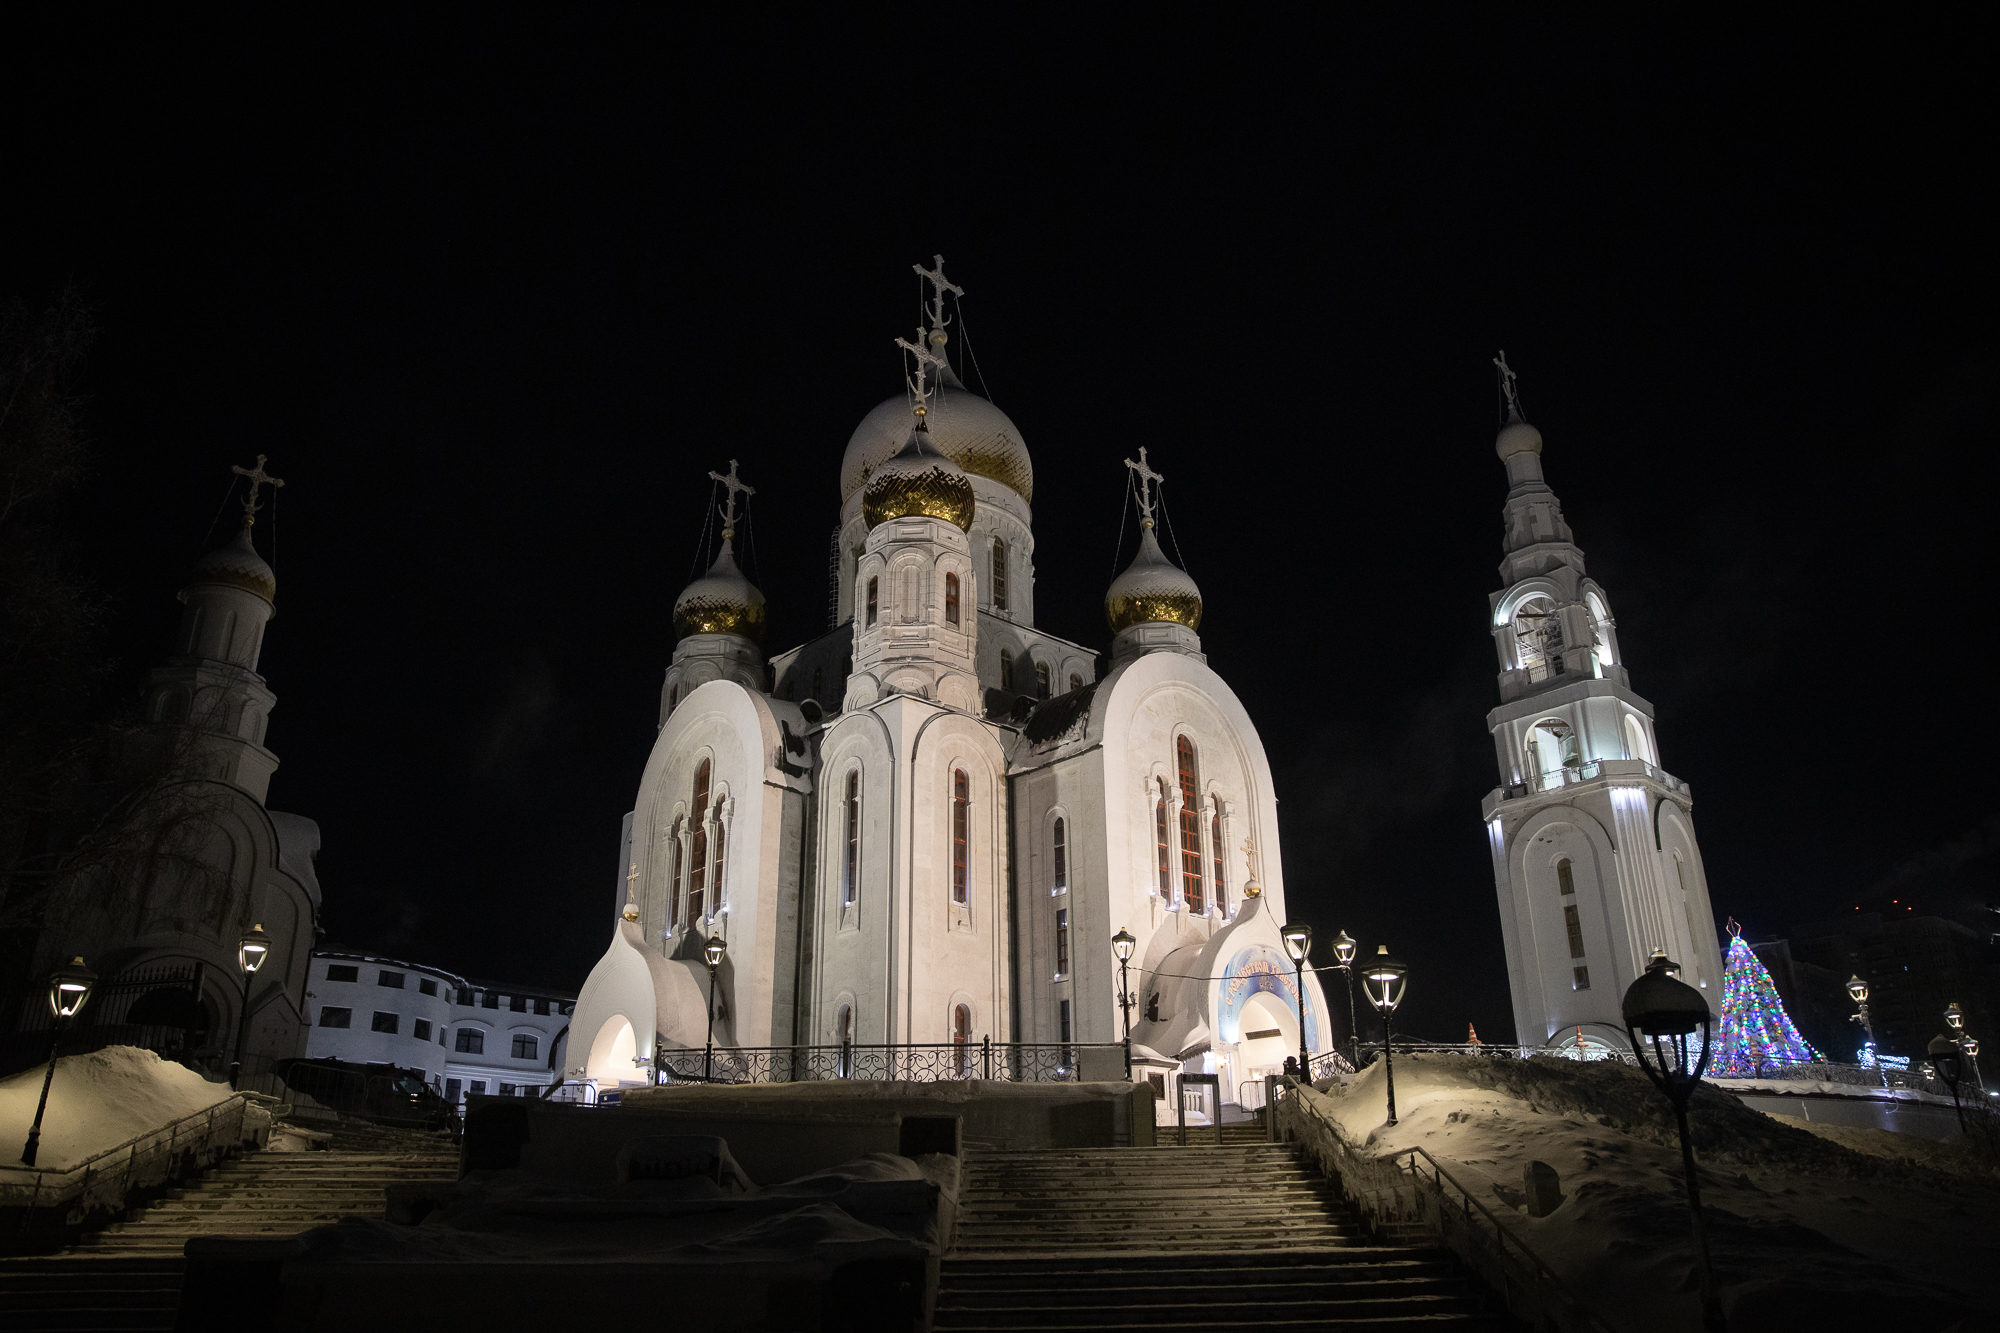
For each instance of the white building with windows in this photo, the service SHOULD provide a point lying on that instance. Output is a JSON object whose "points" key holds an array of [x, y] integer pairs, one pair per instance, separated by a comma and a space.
{"points": [[1594, 853], [925, 825], [467, 1037]]}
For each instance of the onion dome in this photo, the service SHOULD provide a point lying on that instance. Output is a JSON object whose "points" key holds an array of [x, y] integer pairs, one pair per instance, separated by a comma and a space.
{"points": [[964, 427], [236, 564], [918, 480], [1152, 588], [721, 601], [1517, 437]]}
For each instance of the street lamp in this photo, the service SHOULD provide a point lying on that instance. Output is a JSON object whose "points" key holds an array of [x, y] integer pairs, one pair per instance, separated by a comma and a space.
{"points": [[1343, 949], [712, 952], [1385, 980], [1857, 990], [251, 951], [69, 987], [1298, 939], [1669, 1011], [1945, 1057], [1122, 944], [1954, 1017]]}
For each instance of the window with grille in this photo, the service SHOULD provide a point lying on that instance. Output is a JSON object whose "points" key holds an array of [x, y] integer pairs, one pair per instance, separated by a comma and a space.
{"points": [[674, 877], [1565, 877], [698, 843], [525, 1046], [873, 600], [951, 599], [1190, 821], [961, 837], [850, 866], [384, 1023], [471, 1041], [720, 864], [1166, 853], [1575, 925], [1059, 854], [1217, 857], [335, 1018], [961, 1037], [342, 972], [1062, 942], [999, 575]]}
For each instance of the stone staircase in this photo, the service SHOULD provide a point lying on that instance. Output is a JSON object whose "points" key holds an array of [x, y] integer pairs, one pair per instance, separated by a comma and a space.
{"points": [[128, 1276], [1203, 1237]]}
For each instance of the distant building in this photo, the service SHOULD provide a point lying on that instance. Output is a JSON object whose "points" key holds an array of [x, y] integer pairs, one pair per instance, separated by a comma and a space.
{"points": [[467, 1037], [1914, 966]]}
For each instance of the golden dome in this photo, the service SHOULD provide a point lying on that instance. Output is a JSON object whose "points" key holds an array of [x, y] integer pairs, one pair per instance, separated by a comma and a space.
{"points": [[721, 601], [964, 427], [1152, 588], [237, 565], [918, 480]]}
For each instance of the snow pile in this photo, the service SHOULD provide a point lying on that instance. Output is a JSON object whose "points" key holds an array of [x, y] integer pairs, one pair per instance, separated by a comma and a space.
{"points": [[99, 1101], [1801, 1225]]}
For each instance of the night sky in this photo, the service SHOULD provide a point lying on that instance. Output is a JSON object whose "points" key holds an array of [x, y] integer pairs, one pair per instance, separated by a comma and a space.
{"points": [[494, 298]]}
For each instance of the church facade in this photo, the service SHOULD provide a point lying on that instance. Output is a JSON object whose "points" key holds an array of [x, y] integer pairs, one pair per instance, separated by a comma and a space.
{"points": [[1594, 853], [925, 826]]}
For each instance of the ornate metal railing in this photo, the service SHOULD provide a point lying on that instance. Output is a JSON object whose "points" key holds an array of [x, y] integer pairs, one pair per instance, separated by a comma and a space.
{"points": [[940, 1062]]}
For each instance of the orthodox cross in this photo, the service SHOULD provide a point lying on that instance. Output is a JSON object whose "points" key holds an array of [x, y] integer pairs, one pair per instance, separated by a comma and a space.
{"points": [[734, 486], [632, 893], [939, 286], [926, 359], [1509, 386], [259, 478], [1149, 480]]}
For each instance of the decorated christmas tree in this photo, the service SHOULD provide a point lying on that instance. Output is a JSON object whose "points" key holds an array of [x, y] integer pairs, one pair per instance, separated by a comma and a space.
{"points": [[1755, 1033]]}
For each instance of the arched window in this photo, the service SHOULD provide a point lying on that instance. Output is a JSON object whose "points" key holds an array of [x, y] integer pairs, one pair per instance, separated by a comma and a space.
{"points": [[906, 597], [674, 885], [1075, 682], [1041, 680], [873, 600], [1635, 740], [1166, 853], [843, 1037], [1565, 878], [999, 575], [951, 599], [961, 838], [1552, 751], [850, 867], [1216, 855], [1538, 638], [698, 844], [1062, 943], [720, 887], [961, 1038], [1059, 852], [1191, 881], [1006, 670]]}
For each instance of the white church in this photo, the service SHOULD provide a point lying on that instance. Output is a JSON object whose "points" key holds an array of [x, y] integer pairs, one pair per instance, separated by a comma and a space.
{"points": [[925, 826], [1594, 855]]}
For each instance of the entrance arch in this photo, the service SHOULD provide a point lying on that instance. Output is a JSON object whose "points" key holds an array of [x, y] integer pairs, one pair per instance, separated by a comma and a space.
{"points": [[612, 1052]]}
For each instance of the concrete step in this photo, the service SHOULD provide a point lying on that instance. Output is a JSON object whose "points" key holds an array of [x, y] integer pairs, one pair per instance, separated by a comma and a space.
{"points": [[1339, 1311], [68, 1294], [1337, 1285]]}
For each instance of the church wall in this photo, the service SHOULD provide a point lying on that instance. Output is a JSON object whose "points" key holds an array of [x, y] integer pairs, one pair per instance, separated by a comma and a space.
{"points": [[952, 949], [1555, 834], [849, 965], [1072, 790], [1688, 886]]}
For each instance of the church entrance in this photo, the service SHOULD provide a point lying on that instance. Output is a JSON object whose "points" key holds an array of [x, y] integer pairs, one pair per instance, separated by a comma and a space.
{"points": [[612, 1052], [1269, 1034]]}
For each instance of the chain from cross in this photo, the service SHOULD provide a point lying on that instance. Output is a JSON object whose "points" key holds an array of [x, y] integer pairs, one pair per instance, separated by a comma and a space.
{"points": [[1509, 385], [734, 485], [259, 479], [939, 286], [1149, 481], [921, 385]]}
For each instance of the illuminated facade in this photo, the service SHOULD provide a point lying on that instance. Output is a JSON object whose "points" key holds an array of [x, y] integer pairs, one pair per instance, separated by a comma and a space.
{"points": [[1594, 853], [925, 825]]}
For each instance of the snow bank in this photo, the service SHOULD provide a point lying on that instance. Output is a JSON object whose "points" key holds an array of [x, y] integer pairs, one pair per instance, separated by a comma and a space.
{"points": [[99, 1101], [1798, 1221]]}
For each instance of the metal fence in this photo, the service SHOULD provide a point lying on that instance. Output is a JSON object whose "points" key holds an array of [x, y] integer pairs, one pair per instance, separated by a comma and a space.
{"points": [[939, 1062], [157, 1008], [104, 1181]]}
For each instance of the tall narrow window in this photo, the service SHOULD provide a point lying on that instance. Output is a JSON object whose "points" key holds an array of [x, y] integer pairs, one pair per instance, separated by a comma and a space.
{"points": [[951, 599], [674, 885], [1579, 978], [698, 844], [1219, 858], [961, 1039], [1059, 853], [873, 600], [843, 1037], [906, 597], [851, 866], [1006, 670], [1062, 942], [1166, 853], [999, 575], [1062, 1025], [1565, 878], [961, 838], [1191, 882], [1041, 680], [1575, 925], [673, 698], [720, 887]]}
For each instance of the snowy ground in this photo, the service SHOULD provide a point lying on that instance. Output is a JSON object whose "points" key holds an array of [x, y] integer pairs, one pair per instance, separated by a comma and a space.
{"points": [[98, 1101], [1822, 1228]]}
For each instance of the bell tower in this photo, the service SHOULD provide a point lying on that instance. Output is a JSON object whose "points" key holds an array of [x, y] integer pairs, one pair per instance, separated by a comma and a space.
{"points": [[1594, 853]]}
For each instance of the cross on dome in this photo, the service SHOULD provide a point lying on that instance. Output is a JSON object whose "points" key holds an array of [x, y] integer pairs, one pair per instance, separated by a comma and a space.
{"points": [[926, 359], [1149, 481], [259, 478], [734, 486], [939, 286], [1509, 387]]}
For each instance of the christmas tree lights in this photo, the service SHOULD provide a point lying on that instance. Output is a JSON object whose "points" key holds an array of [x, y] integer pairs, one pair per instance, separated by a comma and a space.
{"points": [[1755, 1034]]}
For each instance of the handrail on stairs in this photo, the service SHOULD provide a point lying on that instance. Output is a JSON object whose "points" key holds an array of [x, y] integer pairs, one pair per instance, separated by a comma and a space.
{"points": [[94, 1170]]}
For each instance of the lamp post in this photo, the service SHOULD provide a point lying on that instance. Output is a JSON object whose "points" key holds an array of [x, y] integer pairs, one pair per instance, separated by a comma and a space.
{"points": [[1668, 1012], [1857, 990], [1298, 939], [251, 951], [712, 953], [1946, 1058], [69, 987], [1122, 944], [1343, 950], [1385, 980]]}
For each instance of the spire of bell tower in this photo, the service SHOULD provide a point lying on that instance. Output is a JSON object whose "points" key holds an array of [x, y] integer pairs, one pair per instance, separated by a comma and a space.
{"points": [[1537, 539]]}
